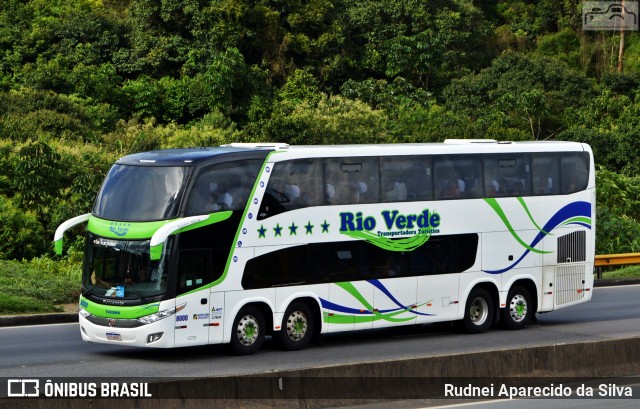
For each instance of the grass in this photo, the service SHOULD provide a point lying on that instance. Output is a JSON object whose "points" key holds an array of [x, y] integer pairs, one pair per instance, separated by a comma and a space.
{"points": [[621, 273], [36, 286]]}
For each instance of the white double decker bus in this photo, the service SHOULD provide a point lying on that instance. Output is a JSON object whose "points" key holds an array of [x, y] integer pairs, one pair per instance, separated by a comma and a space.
{"points": [[232, 244]]}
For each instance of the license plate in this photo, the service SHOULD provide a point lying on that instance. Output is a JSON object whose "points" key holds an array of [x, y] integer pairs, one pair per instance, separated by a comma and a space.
{"points": [[112, 336]]}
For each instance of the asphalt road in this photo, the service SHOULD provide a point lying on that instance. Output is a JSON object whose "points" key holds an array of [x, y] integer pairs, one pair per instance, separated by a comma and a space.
{"points": [[57, 350]]}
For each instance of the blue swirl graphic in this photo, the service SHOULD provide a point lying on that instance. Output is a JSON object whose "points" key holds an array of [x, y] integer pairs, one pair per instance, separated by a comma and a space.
{"points": [[570, 211], [376, 283]]}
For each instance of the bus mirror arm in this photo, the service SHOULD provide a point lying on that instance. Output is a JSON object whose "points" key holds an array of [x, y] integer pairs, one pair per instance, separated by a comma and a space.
{"points": [[160, 236], [57, 238]]}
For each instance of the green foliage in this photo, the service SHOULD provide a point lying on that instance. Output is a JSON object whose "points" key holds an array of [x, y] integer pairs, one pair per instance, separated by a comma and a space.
{"points": [[38, 174], [20, 232], [215, 89], [333, 120], [213, 129], [37, 286], [33, 114], [83, 82], [425, 42], [519, 94], [622, 273], [618, 213], [563, 45]]}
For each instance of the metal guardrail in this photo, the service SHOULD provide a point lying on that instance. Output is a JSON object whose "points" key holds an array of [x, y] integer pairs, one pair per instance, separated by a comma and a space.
{"points": [[605, 260]]}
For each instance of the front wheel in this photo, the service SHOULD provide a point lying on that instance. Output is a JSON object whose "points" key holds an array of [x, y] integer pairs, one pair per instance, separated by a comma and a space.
{"points": [[297, 327], [248, 331], [478, 313], [519, 308]]}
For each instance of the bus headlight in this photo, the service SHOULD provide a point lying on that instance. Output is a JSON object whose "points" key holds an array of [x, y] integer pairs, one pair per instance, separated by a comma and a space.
{"points": [[83, 313], [149, 319]]}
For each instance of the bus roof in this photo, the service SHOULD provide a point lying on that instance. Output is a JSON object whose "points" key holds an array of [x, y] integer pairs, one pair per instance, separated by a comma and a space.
{"points": [[443, 148], [177, 157]]}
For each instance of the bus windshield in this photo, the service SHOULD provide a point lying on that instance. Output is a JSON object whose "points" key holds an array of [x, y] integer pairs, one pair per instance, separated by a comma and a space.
{"points": [[141, 193], [122, 269]]}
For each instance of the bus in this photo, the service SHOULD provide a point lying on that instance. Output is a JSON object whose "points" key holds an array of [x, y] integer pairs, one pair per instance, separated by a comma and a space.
{"points": [[234, 243]]}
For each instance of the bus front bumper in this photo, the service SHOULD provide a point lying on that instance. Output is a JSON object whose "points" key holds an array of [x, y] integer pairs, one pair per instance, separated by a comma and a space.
{"points": [[159, 334]]}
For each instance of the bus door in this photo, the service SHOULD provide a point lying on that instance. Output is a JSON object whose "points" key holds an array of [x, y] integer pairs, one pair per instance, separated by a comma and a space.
{"points": [[438, 265], [193, 274]]}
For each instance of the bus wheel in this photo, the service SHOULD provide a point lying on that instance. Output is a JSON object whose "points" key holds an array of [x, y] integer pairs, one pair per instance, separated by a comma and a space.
{"points": [[518, 311], [297, 327], [248, 331], [478, 314]]}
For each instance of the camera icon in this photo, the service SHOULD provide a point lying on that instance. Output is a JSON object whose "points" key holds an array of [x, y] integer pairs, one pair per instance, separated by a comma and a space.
{"points": [[604, 15], [23, 388]]}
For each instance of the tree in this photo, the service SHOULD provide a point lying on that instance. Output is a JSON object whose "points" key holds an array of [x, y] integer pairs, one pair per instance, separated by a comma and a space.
{"points": [[535, 95]]}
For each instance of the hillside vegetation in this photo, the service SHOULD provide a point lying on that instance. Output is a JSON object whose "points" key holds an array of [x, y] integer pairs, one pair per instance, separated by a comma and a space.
{"points": [[83, 82]]}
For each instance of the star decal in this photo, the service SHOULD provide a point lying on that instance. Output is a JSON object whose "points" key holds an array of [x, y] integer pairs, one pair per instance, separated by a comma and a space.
{"points": [[278, 230], [262, 232], [309, 228], [293, 229], [325, 227]]}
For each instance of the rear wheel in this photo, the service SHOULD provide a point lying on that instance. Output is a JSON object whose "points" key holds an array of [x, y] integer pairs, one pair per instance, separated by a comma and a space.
{"points": [[519, 309], [248, 331], [297, 327], [478, 314]]}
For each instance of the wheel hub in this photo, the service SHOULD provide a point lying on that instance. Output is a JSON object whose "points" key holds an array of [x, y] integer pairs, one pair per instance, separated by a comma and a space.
{"points": [[518, 308], [248, 330], [296, 325]]}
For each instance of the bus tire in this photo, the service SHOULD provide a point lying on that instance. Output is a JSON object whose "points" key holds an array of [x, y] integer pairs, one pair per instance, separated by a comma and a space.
{"points": [[479, 312], [248, 331], [297, 327], [519, 309]]}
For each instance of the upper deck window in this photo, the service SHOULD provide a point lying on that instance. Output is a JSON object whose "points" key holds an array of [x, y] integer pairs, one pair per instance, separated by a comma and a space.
{"points": [[225, 186], [458, 177], [351, 181], [141, 193], [507, 175], [293, 185], [405, 178], [301, 183], [575, 172]]}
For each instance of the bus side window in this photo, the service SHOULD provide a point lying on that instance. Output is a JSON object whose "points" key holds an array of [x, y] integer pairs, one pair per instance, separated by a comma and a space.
{"points": [[194, 269], [507, 175], [546, 174], [225, 186], [575, 172], [405, 178], [354, 180], [293, 184], [458, 177]]}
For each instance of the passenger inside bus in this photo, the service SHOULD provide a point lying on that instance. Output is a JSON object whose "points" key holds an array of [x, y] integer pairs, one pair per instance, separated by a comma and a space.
{"points": [[394, 191], [517, 188], [492, 188], [98, 281], [454, 189]]}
